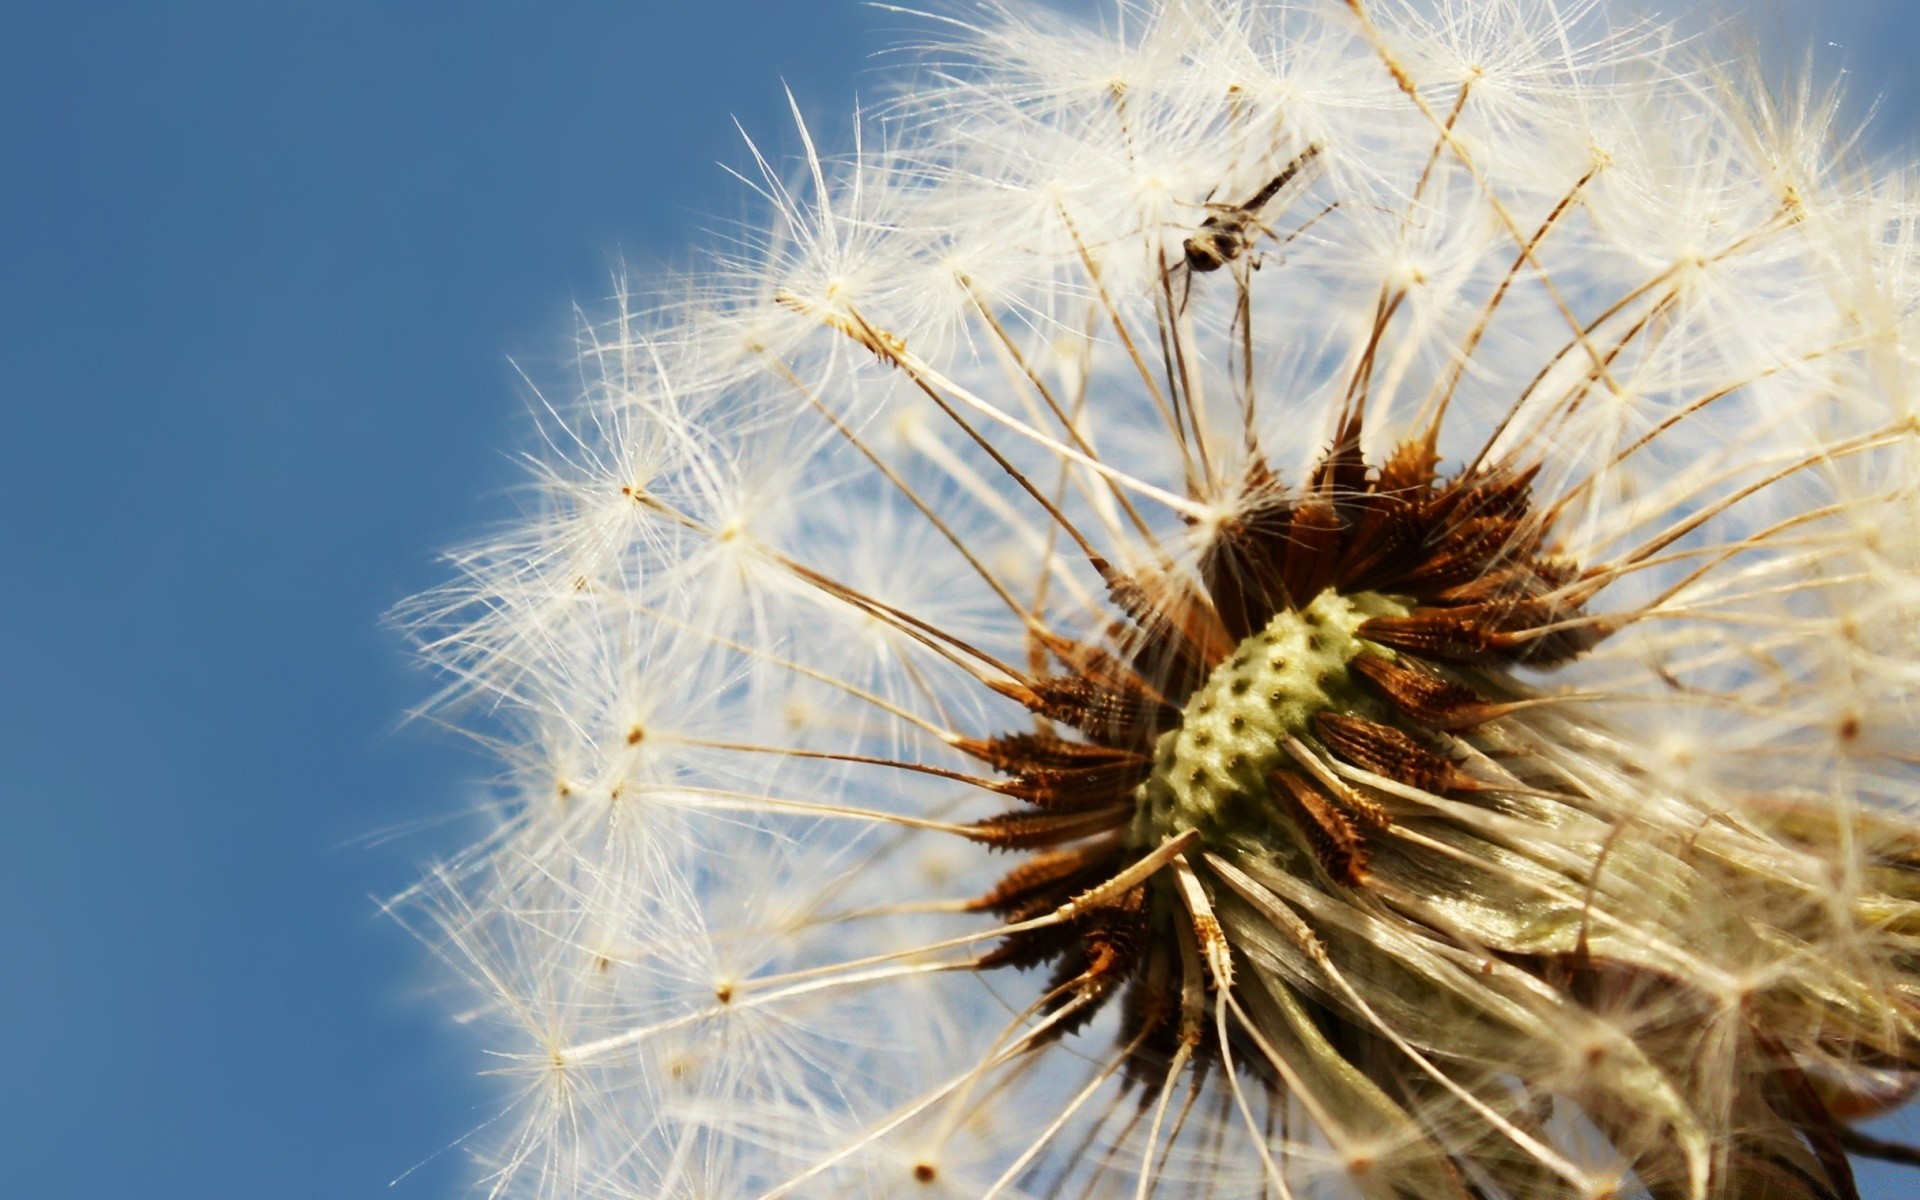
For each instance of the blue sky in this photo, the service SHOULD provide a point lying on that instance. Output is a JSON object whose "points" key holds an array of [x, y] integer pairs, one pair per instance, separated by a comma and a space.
{"points": [[262, 270]]}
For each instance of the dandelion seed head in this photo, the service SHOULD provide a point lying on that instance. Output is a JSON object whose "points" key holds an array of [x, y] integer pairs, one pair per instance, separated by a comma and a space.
{"points": [[1295, 599]]}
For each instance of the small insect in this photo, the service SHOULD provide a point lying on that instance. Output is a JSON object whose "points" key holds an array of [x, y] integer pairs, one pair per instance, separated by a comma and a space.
{"points": [[1228, 233]]}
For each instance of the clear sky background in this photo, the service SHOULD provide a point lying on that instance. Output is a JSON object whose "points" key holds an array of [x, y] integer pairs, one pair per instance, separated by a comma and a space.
{"points": [[262, 269]]}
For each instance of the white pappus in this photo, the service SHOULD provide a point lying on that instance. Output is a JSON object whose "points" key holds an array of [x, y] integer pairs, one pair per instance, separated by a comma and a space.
{"points": [[1306, 598]]}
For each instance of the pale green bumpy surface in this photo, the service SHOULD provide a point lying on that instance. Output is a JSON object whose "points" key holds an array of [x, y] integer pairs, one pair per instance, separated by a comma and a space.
{"points": [[1210, 774]]}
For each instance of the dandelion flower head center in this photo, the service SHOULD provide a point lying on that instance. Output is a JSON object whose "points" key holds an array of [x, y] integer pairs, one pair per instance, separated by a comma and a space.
{"points": [[1214, 773]]}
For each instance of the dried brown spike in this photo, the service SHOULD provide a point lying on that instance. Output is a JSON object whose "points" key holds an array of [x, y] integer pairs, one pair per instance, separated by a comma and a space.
{"points": [[1511, 614], [1031, 947], [1074, 790], [1111, 941], [1388, 542], [1444, 634], [1039, 903], [1448, 567], [1150, 1019], [1535, 577], [1058, 775], [1341, 475], [1490, 492], [1097, 665], [1409, 469], [1241, 567], [1387, 751], [1550, 649], [1421, 697], [1121, 774], [1178, 635], [1108, 716], [1014, 753], [1115, 934], [1030, 830], [1315, 541], [1464, 551], [1065, 871], [1330, 833], [1511, 629]]}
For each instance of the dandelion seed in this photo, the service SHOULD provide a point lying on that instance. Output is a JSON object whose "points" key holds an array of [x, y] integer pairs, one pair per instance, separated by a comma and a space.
{"points": [[1287, 599]]}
